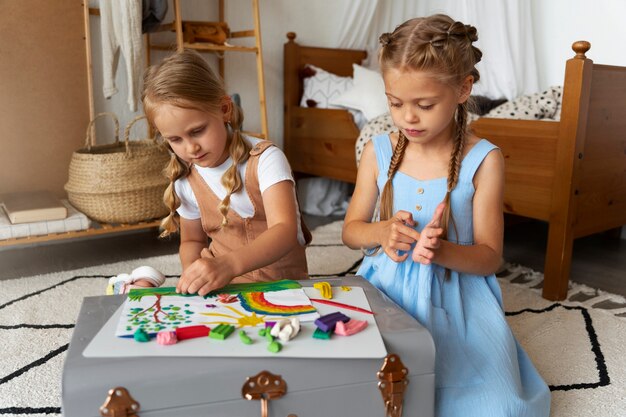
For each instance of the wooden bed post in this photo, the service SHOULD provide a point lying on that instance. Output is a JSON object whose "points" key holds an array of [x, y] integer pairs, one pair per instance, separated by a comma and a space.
{"points": [[569, 155]]}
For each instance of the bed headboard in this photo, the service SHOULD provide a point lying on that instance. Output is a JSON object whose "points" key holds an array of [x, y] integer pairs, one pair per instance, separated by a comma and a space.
{"points": [[318, 141]]}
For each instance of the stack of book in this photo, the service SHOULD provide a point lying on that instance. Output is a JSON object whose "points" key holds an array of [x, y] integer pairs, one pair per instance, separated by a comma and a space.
{"points": [[37, 213]]}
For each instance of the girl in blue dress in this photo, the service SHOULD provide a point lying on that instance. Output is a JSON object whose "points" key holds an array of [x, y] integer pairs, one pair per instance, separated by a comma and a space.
{"points": [[436, 239]]}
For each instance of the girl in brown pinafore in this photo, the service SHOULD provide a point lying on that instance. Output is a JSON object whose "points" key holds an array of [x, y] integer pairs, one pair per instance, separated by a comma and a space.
{"points": [[235, 189]]}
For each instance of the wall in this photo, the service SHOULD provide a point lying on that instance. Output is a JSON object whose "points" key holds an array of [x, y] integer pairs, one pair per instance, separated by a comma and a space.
{"points": [[44, 106], [559, 23], [556, 24], [314, 23]]}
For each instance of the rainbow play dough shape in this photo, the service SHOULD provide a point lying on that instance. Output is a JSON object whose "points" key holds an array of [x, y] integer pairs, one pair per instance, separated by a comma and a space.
{"points": [[257, 302]]}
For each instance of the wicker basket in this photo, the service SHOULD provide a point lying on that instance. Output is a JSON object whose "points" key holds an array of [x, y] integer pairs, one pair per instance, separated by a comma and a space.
{"points": [[121, 182]]}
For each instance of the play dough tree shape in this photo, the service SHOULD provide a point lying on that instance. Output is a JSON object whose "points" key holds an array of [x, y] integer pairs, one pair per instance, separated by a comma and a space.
{"points": [[171, 315], [156, 317]]}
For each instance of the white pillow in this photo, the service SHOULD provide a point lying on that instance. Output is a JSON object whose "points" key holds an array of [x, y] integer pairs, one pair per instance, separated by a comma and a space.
{"points": [[366, 95], [322, 87]]}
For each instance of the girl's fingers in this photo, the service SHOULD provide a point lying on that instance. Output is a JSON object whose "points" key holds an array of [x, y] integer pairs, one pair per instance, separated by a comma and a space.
{"points": [[431, 243], [405, 217], [185, 287], [188, 282], [408, 232], [196, 285], [399, 243], [182, 285], [432, 233], [399, 238], [422, 260], [393, 255], [402, 247], [423, 256], [436, 220], [205, 289], [402, 227]]}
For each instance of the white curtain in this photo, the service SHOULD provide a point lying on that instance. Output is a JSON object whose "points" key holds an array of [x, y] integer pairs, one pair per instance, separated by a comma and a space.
{"points": [[505, 33]]}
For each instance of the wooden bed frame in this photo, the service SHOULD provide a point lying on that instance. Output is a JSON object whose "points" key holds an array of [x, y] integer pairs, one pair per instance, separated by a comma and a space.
{"points": [[318, 141], [570, 173]]}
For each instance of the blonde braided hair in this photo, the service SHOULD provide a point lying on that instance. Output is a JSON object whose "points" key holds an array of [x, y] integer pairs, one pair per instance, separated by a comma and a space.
{"points": [[386, 197], [239, 151], [185, 80]]}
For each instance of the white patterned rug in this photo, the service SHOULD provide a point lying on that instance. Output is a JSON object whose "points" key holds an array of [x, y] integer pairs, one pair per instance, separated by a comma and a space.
{"points": [[577, 345]]}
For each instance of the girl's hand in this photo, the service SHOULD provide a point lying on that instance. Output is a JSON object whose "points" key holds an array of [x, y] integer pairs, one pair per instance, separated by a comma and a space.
{"points": [[203, 276], [430, 238], [398, 235]]}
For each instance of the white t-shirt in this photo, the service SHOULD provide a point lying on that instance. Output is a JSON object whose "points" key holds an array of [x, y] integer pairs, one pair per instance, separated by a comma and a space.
{"points": [[273, 168]]}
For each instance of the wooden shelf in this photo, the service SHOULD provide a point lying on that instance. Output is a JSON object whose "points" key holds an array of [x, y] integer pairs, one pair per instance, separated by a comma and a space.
{"points": [[100, 229], [200, 46], [96, 229]]}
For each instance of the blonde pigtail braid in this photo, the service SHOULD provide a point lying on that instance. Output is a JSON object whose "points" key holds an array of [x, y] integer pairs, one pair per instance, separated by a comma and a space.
{"points": [[385, 207], [455, 166], [239, 151], [174, 170], [386, 197]]}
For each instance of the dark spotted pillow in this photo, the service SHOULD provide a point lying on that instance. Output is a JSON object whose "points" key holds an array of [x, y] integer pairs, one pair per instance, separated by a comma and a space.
{"points": [[544, 105]]}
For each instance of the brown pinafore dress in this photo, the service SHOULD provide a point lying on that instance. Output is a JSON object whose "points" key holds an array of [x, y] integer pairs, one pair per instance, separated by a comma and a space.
{"points": [[241, 231]]}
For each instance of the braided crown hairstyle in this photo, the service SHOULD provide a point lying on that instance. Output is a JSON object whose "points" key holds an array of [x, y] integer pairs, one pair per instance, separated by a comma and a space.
{"points": [[185, 80], [443, 47]]}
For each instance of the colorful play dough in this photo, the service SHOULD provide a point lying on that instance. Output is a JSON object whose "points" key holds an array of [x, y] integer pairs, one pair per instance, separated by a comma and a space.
{"points": [[286, 329], [351, 327], [166, 337], [141, 335]]}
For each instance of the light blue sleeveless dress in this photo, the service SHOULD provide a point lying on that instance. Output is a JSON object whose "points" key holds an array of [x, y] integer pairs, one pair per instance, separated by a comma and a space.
{"points": [[480, 368]]}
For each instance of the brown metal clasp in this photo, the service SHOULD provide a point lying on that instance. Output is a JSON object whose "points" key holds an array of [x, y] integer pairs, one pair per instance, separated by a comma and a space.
{"points": [[393, 382], [264, 386], [119, 403]]}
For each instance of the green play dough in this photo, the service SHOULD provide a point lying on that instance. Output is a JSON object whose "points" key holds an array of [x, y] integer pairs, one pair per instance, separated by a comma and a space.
{"points": [[141, 335], [245, 339], [274, 347]]}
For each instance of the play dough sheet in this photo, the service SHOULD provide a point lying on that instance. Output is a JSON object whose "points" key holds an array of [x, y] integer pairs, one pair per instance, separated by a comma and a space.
{"points": [[160, 309], [366, 344]]}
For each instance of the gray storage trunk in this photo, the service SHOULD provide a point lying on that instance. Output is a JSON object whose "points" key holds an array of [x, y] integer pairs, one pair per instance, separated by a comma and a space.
{"points": [[190, 387]]}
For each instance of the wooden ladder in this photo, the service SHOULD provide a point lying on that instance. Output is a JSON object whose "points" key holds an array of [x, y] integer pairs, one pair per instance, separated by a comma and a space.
{"points": [[177, 27]]}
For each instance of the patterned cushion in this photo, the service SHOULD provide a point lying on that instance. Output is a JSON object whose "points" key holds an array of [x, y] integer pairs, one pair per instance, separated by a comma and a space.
{"points": [[376, 126], [321, 86], [544, 105]]}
